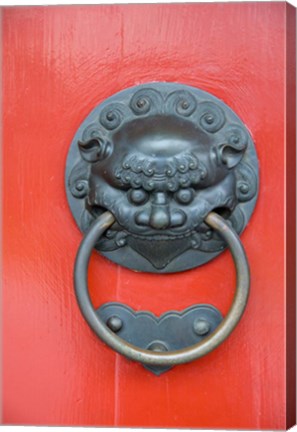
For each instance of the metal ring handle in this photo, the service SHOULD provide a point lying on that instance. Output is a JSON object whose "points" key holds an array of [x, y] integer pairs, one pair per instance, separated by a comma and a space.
{"points": [[170, 358]]}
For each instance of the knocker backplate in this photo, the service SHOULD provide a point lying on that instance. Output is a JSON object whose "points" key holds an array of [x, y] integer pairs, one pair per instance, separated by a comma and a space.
{"points": [[160, 157]]}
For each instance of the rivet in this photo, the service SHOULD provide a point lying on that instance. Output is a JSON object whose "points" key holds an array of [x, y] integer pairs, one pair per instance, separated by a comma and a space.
{"points": [[109, 233], [140, 103], [79, 186], [208, 234], [121, 242], [110, 116], [209, 119], [157, 347], [114, 323], [201, 327], [244, 188]]}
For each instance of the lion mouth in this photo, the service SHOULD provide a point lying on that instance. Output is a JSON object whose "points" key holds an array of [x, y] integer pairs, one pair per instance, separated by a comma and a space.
{"points": [[161, 237]]}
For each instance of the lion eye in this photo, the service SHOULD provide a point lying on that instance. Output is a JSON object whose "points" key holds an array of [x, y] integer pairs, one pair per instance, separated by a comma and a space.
{"points": [[138, 196], [184, 196]]}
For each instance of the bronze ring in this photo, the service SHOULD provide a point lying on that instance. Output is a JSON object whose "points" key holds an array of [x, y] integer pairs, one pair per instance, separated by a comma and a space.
{"points": [[169, 358]]}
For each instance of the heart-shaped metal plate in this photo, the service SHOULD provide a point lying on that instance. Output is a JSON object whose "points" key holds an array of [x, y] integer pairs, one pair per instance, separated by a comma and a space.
{"points": [[168, 332]]}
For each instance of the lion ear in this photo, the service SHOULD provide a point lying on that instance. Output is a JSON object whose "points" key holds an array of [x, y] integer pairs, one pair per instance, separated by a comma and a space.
{"points": [[94, 149], [230, 155]]}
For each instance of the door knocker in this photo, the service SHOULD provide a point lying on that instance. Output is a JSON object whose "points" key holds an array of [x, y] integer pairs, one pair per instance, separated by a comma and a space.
{"points": [[161, 178]]}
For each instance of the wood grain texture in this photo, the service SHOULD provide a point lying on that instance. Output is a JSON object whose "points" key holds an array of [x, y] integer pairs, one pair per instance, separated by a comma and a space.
{"points": [[59, 62]]}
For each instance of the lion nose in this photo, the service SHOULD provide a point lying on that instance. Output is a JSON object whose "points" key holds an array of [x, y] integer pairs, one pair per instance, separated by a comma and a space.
{"points": [[158, 216]]}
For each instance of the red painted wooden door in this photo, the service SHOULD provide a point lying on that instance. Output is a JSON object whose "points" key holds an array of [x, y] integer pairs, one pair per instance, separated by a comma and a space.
{"points": [[58, 64]]}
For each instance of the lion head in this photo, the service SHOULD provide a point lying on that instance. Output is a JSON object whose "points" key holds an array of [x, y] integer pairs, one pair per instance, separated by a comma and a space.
{"points": [[160, 162]]}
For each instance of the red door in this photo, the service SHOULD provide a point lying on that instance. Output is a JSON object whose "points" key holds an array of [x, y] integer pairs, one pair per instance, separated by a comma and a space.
{"points": [[58, 64]]}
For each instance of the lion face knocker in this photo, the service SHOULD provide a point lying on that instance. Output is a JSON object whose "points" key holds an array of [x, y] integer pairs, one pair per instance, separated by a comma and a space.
{"points": [[160, 157]]}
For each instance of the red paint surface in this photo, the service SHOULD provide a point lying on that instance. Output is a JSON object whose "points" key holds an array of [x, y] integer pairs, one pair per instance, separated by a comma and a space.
{"points": [[59, 62]]}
